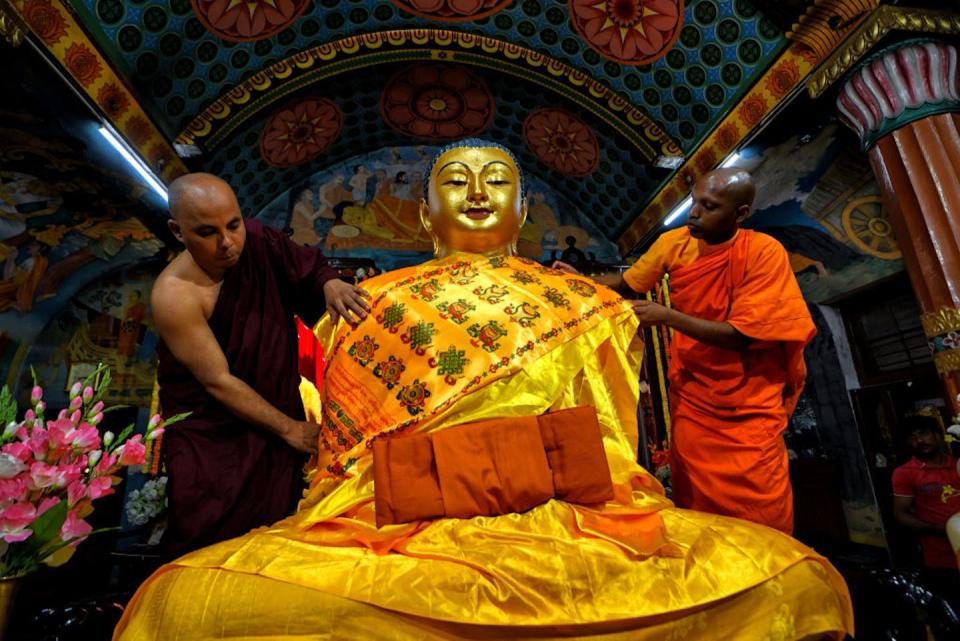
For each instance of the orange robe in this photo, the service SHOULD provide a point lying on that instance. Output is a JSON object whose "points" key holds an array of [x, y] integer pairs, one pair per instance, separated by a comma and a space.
{"points": [[730, 408]]}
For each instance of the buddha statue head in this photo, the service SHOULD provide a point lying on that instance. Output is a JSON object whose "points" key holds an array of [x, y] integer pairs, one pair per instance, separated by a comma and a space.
{"points": [[474, 200]]}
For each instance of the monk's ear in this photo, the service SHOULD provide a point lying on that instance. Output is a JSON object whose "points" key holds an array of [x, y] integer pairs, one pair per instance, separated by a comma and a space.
{"points": [[174, 227], [742, 212], [425, 216]]}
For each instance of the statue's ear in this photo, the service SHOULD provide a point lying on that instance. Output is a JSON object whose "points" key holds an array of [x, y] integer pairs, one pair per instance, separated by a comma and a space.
{"points": [[425, 216], [523, 211]]}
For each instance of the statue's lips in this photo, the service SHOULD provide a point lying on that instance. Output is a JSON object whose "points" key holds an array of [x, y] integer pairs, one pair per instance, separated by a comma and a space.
{"points": [[478, 214]]}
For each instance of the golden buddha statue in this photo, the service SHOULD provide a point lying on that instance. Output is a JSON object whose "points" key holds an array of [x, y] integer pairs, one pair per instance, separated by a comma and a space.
{"points": [[474, 336]]}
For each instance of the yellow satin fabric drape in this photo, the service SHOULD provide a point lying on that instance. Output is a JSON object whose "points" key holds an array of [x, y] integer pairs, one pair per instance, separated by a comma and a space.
{"points": [[635, 568]]}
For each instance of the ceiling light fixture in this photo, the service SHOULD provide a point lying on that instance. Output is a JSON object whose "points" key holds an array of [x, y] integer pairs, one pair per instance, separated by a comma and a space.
{"points": [[678, 211], [134, 161]]}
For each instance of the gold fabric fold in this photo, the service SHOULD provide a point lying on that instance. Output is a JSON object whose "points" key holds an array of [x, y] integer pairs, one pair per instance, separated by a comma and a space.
{"points": [[491, 467]]}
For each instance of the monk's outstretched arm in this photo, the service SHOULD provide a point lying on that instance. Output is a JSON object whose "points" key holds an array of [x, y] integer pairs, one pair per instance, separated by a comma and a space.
{"points": [[181, 324], [713, 333], [612, 280]]}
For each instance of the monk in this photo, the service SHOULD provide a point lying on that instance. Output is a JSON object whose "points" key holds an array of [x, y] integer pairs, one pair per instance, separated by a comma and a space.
{"points": [[736, 366], [224, 310], [480, 342]]}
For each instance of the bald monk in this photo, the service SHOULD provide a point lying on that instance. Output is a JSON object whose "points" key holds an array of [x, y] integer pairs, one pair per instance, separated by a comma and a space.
{"points": [[736, 366], [225, 310]]}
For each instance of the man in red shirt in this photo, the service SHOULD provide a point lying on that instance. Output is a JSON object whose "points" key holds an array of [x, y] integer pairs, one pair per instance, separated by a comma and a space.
{"points": [[926, 493]]}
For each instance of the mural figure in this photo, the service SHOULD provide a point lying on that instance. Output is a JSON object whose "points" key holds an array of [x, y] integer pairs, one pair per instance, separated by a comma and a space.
{"points": [[134, 317], [22, 279]]}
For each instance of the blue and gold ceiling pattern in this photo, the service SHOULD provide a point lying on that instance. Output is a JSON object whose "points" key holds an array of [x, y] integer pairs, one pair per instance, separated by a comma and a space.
{"points": [[641, 78]]}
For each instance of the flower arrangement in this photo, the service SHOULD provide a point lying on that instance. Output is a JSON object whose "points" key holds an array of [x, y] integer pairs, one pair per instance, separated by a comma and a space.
{"points": [[148, 502], [52, 470]]}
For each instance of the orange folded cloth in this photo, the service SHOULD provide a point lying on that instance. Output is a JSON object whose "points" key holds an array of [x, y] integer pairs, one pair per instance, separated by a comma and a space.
{"points": [[491, 467]]}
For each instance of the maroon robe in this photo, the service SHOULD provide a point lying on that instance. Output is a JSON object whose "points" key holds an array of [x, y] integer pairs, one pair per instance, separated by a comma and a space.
{"points": [[225, 476]]}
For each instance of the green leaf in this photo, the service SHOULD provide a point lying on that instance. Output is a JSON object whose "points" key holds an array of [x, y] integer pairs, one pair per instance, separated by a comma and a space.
{"points": [[8, 407], [175, 419], [47, 526]]}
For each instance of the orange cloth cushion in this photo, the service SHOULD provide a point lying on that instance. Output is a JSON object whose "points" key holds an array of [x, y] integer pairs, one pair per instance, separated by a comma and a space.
{"points": [[491, 467]]}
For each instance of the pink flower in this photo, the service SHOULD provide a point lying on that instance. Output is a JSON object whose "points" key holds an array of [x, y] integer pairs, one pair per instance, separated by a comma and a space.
{"points": [[76, 402], [96, 418], [29, 415], [86, 438], [154, 422], [87, 393], [61, 433], [105, 464], [75, 389], [155, 434], [133, 452], [74, 527], [14, 489], [76, 491], [39, 443], [41, 407], [14, 520], [36, 393], [10, 466], [20, 450], [46, 504], [99, 486], [76, 416], [97, 408], [44, 476]]}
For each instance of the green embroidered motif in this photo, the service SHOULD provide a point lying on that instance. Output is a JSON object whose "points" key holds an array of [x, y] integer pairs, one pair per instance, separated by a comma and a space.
{"points": [[389, 371], [363, 351], [428, 291], [456, 311], [450, 363], [523, 313], [492, 294], [347, 422], [498, 261], [392, 317], [581, 288], [524, 278], [419, 336], [556, 298], [463, 273], [487, 335], [413, 396]]}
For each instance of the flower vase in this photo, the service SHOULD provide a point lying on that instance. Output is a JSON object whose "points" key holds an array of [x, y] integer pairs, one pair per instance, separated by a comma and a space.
{"points": [[8, 591]]}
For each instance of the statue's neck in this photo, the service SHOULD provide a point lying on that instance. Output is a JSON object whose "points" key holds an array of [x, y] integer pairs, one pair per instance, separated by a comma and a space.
{"points": [[444, 252]]}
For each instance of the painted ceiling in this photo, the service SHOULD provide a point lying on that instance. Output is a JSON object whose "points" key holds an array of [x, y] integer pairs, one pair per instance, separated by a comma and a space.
{"points": [[592, 95]]}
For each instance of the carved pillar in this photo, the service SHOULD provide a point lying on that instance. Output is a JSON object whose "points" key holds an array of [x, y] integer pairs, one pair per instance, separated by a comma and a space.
{"points": [[903, 102]]}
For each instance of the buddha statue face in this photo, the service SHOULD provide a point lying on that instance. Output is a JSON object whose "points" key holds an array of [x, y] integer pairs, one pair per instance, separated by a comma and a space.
{"points": [[474, 202]]}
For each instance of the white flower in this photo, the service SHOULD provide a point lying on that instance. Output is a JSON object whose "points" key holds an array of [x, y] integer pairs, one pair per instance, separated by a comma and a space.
{"points": [[10, 466], [954, 429]]}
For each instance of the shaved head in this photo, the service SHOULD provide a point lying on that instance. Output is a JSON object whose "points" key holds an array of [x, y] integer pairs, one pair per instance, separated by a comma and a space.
{"points": [[198, 190], [734, 182]]}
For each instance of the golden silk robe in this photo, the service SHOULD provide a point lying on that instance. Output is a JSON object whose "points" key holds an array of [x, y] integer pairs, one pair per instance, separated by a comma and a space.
{"points": [[465, 339]]}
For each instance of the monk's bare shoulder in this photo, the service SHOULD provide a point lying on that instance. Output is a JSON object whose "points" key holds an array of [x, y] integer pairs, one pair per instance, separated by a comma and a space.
{"points": [[178, 293]]}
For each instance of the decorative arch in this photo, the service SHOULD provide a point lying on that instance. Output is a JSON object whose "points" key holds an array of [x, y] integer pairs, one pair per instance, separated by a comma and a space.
{"points": [[346, 55]]}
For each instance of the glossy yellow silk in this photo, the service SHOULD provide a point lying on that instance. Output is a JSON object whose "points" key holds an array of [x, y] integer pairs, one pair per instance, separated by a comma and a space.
{"points": [[635, 568]]}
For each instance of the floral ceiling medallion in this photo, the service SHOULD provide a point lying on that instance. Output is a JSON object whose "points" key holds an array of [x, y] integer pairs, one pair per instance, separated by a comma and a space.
{"points": [[630, 32], [437, 101], [452, 10], [561, 141], [299, 132], [246, 20]]}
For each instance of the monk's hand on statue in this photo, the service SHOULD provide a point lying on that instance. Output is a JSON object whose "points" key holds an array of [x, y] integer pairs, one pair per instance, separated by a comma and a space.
{"points": [[564, 267], [303, 436], [346, 301], [650, 313]]}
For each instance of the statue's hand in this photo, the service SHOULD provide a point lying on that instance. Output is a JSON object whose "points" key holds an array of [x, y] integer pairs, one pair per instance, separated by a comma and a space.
{"points": [[302, 436], [564, 267], [344, 299]]}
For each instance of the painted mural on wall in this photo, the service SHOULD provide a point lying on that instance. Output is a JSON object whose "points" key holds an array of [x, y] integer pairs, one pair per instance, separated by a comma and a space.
{"points": [[66, 218], [368, 207], [818, 197]]}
